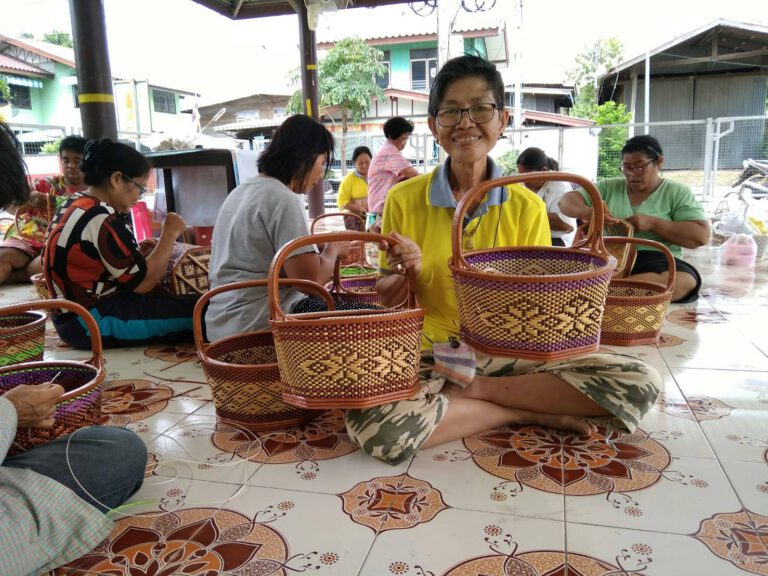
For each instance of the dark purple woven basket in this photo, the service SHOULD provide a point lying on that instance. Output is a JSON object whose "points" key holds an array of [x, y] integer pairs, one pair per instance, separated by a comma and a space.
{"points": [[80, 405]]}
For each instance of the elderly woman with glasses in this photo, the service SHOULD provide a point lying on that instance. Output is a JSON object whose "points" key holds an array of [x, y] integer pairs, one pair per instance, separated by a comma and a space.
{"points": [[463, 392], [659, 210], [91, 257]]}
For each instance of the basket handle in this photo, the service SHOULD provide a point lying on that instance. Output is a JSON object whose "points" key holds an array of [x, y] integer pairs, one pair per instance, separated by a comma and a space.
{"points": [[276, 313], [332, 214], [197, 313], [653, 244], [594, 238], [54, 304]]}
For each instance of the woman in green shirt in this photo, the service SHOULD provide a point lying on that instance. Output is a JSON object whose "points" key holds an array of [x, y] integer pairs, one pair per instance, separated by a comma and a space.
{"points": [[658, 208]]}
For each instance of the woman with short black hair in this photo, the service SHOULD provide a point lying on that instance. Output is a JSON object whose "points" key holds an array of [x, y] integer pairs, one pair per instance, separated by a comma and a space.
{"points": [[262, 215]]}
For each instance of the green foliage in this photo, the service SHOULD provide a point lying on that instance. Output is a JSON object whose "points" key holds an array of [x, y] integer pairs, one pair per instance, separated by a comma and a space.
{"points": [[348, 77], [596, 59], [5, 90], [611, 139], [296, 103], [27, 36], [50, 147], [508, 163], [58, 37]]}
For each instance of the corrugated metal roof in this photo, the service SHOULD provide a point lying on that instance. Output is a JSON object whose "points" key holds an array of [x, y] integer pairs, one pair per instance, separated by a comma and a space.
{"points": [[9, 63], [399, 21]]}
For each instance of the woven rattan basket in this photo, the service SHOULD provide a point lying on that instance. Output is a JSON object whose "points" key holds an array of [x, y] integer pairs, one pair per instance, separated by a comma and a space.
{"points": [[242, 369], [624, 252], [345, 359], [356, 254], [187, 270], [532, 302], [22, 335], [81, 403], [635, 309], [38, 283], [354, 289]]}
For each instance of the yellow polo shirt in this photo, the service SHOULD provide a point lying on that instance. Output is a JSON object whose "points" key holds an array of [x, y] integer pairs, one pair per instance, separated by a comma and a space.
{"points": [[422, 209], [351, 188]]}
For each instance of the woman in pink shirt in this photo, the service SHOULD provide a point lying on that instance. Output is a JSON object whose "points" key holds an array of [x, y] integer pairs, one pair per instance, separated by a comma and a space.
{"points": [[388, 166]]}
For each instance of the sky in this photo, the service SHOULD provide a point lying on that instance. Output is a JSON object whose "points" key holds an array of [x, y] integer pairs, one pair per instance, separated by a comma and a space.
{"points": [[183, 45]]}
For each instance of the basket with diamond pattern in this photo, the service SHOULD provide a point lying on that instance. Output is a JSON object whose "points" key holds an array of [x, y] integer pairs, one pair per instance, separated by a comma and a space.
{"points": [[242, 369], [532, 302], [345, 359], [187, 270], [22, 336], [624, 252], [352, 221], [635, 309]]}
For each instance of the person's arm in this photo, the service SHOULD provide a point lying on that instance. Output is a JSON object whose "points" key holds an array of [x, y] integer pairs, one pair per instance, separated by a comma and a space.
{"points": [[313, 266], [157, 261], [408, 172], [392, 288], [688, 234], [358, 205], [556, 223], [573, 204]]}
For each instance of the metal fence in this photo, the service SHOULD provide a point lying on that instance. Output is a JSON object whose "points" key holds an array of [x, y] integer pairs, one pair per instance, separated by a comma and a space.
{"points": [[706, 155]]}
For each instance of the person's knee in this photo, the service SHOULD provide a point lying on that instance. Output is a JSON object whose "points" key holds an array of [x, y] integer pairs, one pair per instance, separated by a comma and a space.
{"points": [[121, 449], [684, 285]]}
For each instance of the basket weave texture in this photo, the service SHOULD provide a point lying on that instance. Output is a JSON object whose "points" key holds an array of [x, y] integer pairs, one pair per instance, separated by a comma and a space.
{"points": [[634, 309], [81, 403], [22, 336], [38, 283], [623, 252], [353, 359], [243, 373], [354, 289], [532, 302], [187, 270], [356, 254]]}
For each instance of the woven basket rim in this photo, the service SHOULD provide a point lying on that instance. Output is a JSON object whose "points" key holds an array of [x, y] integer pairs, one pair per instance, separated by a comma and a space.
{"points": [[658, 290], [610, 264], [342, 317], [52, 365], [40, 318], [210, 361]]}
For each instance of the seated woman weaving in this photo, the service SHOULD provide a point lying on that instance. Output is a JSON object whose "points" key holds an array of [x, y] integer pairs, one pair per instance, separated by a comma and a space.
{"points": [[91, 257], [466, 392]]}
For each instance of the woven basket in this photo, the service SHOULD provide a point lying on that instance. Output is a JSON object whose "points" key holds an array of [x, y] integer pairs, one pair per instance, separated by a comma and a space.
{"points": [[533, 302], [635, 309], [356, 254], [354, 289], [624, 253], [187, 270], [22, 336], [345, 359], [242, 370], [762, 243], [41, 208], [81, 403]]}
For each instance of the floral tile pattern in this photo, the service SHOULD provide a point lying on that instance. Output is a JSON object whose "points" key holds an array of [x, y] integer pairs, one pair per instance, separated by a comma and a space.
{"points": [[685, 493]]}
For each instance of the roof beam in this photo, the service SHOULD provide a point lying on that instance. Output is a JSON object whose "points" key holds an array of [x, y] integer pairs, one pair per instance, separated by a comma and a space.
{"points": [[721, 58]]}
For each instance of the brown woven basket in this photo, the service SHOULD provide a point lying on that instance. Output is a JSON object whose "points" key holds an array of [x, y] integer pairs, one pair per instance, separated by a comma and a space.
{"points": [[356, 254], [532, 302], [80, 405], [359, 289], [624, 253], [187, 270], [242, 369], [346, 359], [635, 309], [22, 335]]}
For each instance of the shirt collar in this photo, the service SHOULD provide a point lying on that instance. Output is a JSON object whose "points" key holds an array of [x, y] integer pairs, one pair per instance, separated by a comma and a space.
{"points": [[440, 193]]}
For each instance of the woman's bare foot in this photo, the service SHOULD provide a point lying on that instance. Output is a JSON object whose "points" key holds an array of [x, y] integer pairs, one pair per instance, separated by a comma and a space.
{"points": [[559, 421]]}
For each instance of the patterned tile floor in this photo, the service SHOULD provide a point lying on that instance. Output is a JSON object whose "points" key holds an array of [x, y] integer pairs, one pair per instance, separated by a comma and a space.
{"points": [[685, 494]]}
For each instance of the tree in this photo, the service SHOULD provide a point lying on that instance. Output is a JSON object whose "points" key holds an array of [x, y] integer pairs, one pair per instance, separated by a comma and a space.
{"points": [[348, 80], [591, 64], [611, 139], [58, 37], [27, 36]]}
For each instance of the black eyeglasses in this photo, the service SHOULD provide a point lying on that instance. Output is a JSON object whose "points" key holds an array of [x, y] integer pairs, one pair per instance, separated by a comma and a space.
{"points": [[142, 189], [478, 113], [626, 169]]}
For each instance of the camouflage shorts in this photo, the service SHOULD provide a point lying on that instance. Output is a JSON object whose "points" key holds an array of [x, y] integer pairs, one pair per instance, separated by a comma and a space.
{"points": [[622, 385]]}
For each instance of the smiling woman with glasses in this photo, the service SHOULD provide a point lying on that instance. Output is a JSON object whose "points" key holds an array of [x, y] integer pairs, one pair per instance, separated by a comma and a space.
{"points": [[92, 257], [659, 210], [467, 117]]}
